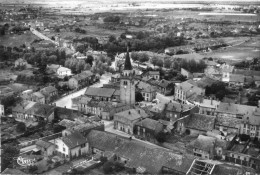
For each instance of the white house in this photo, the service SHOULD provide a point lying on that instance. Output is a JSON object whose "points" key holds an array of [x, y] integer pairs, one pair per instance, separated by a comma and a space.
{"points": [[72, 144], [2, 110], [63, 71]]}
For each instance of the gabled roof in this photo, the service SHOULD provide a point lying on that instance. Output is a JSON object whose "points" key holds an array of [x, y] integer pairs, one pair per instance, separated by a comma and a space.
{"points": [[237, 109], [132, 114], [43, 144], [230, 122], [150, 124], [38, 94], [200, 122], [12, 171], [48, 90], [74, 139], [83, 75], [204, 143], [53, 66], [237, 78], [100, 92], [177, 107], [164, 83]]}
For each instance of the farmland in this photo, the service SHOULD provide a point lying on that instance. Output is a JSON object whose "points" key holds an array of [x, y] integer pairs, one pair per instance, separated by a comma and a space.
{"points": [[17, 40]]}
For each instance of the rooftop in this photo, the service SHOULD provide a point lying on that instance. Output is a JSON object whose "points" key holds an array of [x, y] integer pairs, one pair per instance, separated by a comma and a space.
{"points": [[100, 92], [200, 122], [151, 124], [74, 139], [205, 143], [132, 114]]}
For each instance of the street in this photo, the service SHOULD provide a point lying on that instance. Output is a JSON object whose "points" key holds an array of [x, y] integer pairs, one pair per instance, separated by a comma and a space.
{"points": [[66, 101]]}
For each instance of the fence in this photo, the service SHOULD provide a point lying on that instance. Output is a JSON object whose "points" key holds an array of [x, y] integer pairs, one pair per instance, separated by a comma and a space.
{"points": [[46, 138]]}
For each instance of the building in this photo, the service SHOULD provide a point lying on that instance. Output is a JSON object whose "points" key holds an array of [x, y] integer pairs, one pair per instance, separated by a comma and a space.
{"points": [[148, 91], [53, 68], [50, 93], [103, 94], [187, 90], [236, 80], [174, 111], [165, 87], [147, 129], [226, 70], [127, 83], [63, 71], [82, 80], [228, 125], [20, 63], [152, 74], [46, 148], [26, 95], [203, 147], [71, 145], [28, 110], [2, 110], [125, 120], [196, 124], [38, 97], [207, 106]]}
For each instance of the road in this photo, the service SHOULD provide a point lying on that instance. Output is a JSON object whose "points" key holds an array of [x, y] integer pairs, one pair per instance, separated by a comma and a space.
{"points": [[66, 101]]}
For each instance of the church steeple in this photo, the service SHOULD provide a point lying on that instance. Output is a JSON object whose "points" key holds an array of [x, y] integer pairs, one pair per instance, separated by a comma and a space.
{"points": [[128, 65]]}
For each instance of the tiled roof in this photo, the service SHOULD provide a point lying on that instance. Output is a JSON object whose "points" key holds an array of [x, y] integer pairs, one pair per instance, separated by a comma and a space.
{"points": [[38, 94], [150, 124], [74, 139], [84, 100], [100, 92], [200, 122], [132, 114], [12, 171], [43, 144], [231, 122], [203, 142], [247, 72], [175, 106], [164, 83], [83, 75], [53, 66], [204, 82], [48, 90], [237, 78], [232, 108]]}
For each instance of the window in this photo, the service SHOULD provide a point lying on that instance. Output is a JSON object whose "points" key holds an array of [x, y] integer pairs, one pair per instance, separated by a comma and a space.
{"points": [[83, 145], [64, 149], [125, 83]]}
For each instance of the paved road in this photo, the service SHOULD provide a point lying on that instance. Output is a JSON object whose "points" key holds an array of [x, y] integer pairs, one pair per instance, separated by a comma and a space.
{"points": [[66, 101]]}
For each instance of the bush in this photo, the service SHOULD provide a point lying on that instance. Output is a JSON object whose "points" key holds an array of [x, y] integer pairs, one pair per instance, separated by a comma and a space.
{"points": [[21, 127], [108, 167]]}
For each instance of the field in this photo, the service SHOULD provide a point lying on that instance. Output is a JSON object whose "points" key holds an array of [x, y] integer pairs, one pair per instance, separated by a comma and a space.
{"points": [[17, 40], [239, 51]]}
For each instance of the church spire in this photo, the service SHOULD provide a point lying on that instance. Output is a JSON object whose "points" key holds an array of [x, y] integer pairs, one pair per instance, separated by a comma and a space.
{"points": [[128, 65]]}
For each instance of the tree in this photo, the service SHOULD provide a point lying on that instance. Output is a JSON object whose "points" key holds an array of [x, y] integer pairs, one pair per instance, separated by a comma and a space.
{"points": [[154, 61], [139, 97], [159, 63], [77, 171], [32, 168], [111, 38], [143, 57], [134, 56], [9, 152], [108, 167], [160, 137], [89, 60], [20, 127], [167, 63]]}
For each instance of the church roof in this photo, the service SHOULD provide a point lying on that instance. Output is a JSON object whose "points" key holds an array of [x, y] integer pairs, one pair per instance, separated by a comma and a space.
{"points": [[128, 65]]}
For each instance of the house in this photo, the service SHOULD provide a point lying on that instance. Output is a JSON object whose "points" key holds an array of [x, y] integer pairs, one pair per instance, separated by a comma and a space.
{"points": [[196, 124], [152, 74], [125, 120], [186, 90], [174, 110], [46, 148], [115, 78], [38, 97], [164, 86], [186, 73], [2, 110], [20, 62], [28, 110], [103, 94], [228, 124], [207, 106], [50, 93], [26, 95], [236, 80], [81, 80], [203, 147], [147, 129], [53, 68], [63, 71], [148, 91], [71, 145], [226, 70]]}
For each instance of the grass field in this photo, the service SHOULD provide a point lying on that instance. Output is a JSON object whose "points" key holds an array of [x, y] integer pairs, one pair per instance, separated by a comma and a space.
{"points": [[17, 40]]}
